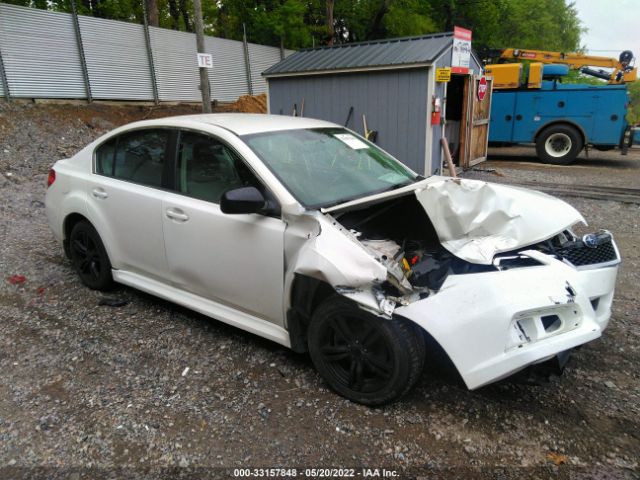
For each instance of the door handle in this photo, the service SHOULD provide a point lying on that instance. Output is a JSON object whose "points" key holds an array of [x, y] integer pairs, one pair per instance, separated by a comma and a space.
{"points": [[99, 193], [177, 214]]}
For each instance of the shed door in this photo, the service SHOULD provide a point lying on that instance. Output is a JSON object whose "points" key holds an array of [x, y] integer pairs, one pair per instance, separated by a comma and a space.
{"points": [[475, 128]]}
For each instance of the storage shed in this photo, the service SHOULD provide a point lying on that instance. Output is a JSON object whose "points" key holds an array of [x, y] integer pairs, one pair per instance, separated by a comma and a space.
{"points": [[391, 84]]}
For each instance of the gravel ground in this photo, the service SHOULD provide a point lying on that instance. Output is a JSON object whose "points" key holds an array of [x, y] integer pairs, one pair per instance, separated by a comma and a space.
{"points": [[149, 389]]}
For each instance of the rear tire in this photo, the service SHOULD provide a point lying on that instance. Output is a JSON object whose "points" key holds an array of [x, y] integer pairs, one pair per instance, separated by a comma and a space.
{"points": [[365, 358], [559, 144], [89, 257]]}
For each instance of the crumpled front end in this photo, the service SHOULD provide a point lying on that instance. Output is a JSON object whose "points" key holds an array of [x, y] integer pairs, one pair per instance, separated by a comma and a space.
{"points": [[496, 323], [493, 273], [476, 220]]}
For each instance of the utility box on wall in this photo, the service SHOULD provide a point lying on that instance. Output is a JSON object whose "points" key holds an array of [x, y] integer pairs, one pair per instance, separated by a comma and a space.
{"points": [[389, 85]]}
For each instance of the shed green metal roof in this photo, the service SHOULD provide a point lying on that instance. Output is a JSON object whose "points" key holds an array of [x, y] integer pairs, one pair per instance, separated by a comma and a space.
{"points": [[400, 52]]}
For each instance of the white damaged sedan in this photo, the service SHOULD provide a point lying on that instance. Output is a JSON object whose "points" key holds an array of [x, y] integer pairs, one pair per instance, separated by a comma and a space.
{"points": [[302, 232]]}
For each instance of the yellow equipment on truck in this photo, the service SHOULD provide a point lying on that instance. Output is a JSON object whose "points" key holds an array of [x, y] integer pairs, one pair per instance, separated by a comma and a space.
{"points": [[508, 75]]}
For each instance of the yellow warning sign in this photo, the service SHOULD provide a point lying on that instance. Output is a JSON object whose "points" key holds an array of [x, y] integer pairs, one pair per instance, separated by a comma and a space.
{"points": [[443, 74]]}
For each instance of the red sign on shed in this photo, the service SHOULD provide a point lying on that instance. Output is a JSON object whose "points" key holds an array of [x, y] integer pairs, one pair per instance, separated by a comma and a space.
{"points": [[482, 88]]}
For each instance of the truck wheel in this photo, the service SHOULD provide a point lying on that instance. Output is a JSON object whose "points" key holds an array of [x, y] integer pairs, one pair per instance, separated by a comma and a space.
{"points": [[367, 359], [559, 144]]}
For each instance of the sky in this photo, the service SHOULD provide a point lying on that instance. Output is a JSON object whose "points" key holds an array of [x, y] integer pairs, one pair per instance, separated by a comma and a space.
{"points": [[613, 26]]}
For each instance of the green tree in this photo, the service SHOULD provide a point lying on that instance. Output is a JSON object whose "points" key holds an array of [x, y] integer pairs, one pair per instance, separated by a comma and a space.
{"points": [[539, 24], [409, 17]]}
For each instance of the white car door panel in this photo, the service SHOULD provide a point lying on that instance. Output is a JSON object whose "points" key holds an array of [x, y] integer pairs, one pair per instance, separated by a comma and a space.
{"points": [[124, 196], [237, 260], [139, 244]]}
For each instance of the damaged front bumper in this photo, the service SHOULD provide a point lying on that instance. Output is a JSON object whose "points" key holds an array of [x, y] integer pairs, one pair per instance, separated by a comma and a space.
{"points": [[494, 324]]}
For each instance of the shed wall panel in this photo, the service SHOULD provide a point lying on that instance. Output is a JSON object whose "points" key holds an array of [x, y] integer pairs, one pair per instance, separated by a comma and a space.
{"points": [[117, 59], [394, 103], [40, 53], [436, 148]]}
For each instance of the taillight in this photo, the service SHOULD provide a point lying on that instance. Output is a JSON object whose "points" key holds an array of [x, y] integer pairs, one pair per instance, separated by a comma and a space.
{"points": [[51, 178]]}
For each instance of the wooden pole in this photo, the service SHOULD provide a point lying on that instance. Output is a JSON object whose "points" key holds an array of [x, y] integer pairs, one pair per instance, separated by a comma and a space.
{"points": [[447, 155], [204, 73]]}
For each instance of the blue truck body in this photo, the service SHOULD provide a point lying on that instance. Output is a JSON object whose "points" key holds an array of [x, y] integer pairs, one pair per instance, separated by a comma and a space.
{"points": [[597, 111]]}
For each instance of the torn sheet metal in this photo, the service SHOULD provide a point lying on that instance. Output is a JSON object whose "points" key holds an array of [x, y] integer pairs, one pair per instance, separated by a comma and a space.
{"points": [[335, 256], [475, 220], [319, 247]]}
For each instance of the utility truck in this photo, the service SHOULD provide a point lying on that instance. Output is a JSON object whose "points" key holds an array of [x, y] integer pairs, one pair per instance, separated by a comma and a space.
{"points": [[532, 105]]}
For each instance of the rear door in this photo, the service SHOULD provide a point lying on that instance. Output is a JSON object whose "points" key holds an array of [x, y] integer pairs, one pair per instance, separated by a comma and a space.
{"points": [[235, 260], [125, 199]]}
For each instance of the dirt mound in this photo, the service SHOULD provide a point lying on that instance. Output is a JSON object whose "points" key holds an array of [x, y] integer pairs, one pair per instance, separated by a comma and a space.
{"points": [[34, 135], [250, 104]]}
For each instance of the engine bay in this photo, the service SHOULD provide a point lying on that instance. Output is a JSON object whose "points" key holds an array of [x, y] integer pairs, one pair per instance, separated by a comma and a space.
{"points": [[400, 235]]}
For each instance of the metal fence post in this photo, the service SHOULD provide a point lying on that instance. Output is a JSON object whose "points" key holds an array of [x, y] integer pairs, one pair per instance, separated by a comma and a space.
{"points": [[152, 68], [247, 61], [3, 79], [83, 60]]}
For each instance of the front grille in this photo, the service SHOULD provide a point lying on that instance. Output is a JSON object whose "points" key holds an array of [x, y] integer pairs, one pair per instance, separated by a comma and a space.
{"points": [[583, 255]]}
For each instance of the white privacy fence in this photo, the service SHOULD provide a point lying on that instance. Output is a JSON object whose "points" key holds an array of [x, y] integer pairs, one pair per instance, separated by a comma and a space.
{"points": [[58, 55]]}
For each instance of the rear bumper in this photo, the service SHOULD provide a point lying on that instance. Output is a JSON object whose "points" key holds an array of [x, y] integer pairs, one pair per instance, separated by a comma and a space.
{"points": [[494, 324]]}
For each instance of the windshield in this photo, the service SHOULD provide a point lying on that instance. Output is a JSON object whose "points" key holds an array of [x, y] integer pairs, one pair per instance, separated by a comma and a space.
{"points": [[325, 166]]}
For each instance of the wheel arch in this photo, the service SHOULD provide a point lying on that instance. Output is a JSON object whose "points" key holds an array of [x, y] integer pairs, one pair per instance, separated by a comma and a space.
{"points": [[70, 221], [436, 354], [306, 294], [561, 122]]}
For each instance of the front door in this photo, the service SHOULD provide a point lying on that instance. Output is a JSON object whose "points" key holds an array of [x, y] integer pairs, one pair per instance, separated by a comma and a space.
{"points": [[235, 260]]}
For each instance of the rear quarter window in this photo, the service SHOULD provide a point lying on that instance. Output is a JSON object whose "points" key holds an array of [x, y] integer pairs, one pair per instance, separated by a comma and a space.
{"points": [[104, 157]]}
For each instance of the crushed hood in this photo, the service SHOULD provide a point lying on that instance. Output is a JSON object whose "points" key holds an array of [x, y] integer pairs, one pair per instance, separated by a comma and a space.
{"points": [[475, 220]]}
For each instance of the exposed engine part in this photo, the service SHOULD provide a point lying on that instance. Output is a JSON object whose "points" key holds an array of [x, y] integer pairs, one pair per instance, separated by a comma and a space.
{"points": [[390, 254], [382, 248]]}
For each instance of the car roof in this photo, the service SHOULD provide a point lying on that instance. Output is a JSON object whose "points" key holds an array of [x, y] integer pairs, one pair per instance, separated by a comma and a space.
{"points": [[240, 123]]}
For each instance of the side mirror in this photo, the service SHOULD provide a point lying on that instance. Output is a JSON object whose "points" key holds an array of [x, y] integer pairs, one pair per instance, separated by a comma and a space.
{"points": [[242, 200]]}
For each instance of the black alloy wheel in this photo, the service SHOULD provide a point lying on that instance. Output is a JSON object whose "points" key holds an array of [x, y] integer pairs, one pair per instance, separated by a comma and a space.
{"points": [[89, 257], [367, 359]]}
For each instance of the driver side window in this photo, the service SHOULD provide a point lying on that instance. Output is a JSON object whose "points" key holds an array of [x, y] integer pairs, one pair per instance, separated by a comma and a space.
{"points": [[207, 168]]}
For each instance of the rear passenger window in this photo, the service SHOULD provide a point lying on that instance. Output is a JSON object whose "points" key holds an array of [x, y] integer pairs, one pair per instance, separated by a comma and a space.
{"points": [[137, 157]]}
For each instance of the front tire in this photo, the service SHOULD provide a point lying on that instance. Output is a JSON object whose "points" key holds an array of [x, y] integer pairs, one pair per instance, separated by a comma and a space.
{"points": [[89, 257], [365, 358], [559, 144]]}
